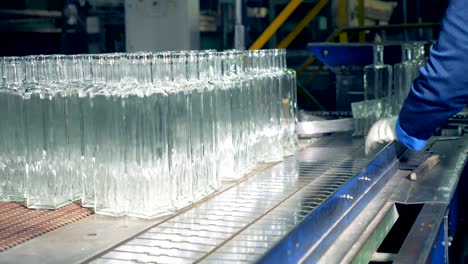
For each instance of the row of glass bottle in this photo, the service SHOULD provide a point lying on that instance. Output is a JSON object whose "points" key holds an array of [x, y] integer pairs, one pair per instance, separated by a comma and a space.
{"points": [[386, 87], [140, 134]]}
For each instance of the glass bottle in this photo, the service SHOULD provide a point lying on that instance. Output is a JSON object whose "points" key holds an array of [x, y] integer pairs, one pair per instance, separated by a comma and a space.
{"points": [[419, 59], [225, 150], [4, 93], [274, 150], [12, 155], [403, 76], [196, 118], [110, 178], [233, 70], [245, 152], [148, 178], [86, 105], [161, 188], [47, 169], [180, 131], [74, 124], [209, 73], [377, 87], [229, 122], [261, 112], [205, 70], [250, 97], [289, 98]]}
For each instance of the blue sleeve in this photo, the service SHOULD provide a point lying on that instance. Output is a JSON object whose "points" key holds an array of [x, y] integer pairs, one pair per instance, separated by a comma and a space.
{"points": [[441, 90]]}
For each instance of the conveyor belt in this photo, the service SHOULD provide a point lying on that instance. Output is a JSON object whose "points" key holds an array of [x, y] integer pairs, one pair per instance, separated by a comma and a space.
{"points": [[19, 224], [327, 204], [244, 222]]}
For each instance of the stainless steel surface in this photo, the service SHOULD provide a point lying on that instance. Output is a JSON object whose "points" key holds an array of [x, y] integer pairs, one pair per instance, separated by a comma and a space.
{"points": [[375, 176], [351, 241], [438, 185], [244, 222], [310, 128], [435, 191], [424, 167]]}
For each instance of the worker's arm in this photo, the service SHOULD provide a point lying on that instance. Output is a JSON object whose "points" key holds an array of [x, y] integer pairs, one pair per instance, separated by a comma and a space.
{"points": [[441, 90], [438, 93]]}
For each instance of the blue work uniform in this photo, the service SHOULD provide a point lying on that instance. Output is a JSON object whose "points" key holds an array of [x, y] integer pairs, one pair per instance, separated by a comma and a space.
{"points": [[441, 90]]}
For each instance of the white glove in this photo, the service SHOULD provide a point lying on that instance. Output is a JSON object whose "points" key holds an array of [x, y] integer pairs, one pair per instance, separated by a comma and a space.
{"points": [[381, 131]]}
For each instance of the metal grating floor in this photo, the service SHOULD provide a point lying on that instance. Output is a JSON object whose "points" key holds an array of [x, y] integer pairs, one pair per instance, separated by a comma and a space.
{"points": [[19, 224], [244, 222]]}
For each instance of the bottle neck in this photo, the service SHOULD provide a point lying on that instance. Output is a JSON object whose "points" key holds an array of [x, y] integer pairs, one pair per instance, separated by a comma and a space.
{"points": [[275, 59], [42, 69], [238, 60], [205, 70], [217, 65], [78, 74], [144, 68], [58, 68], [111, 69], [179, 66], [130, 68], [30, 70], [97, 69], [282, 59], [263, 60], [378, 55], [192, 66], [162, 69], [416, 52], [70, 70], [406, 53], [84, 67], [229, 67], [257, 61], [14, 71]]}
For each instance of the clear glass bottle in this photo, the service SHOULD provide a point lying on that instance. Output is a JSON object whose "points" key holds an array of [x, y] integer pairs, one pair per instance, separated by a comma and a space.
{"points": [[149, 180], [180, 139], [209, 128], [403, 76], [47, 168], [418, 59], [250, 97], [261, 113], [12, 155], [239, 106], [377, 87], [222, 64], [74, 124], [274, 151], [86, 104], [110, 177], [289, 105], [198, 159]]}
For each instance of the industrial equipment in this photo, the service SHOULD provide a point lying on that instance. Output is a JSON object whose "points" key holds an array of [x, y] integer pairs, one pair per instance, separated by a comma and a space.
{"points": [[330, 204]]}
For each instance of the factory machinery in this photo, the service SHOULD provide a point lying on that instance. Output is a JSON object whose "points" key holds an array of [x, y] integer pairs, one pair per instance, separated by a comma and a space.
{"points": [[330, 203]]}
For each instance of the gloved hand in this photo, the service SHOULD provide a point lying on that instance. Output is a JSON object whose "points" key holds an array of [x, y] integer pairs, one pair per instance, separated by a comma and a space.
{"points": [[381, 131]]}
